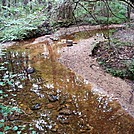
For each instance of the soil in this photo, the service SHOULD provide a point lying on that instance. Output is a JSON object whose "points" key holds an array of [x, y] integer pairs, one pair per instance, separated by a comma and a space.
{"points": [[78, 58]]}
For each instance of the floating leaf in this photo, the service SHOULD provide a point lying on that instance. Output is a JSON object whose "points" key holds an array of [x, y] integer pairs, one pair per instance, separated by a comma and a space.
{"points": [[15, 128], [2, 83], [1, 92], [33, 132], [6, 76], [5, 95], [10, 83], [18, 132], [3, 68], [14, 75], [16, 109], [2, 120], [31, 128], [6, 62], [6, 128], [1, 125]]}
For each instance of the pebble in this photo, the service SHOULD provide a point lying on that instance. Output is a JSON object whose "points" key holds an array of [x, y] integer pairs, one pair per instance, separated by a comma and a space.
{"points": [[69, 100], [30, 70], [50, 106], [69, 42], [36, 106], [54, 38], [52, 98]]}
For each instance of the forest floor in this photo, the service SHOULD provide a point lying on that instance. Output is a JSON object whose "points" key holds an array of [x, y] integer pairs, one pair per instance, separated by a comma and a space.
{"points": [[79, 59]]}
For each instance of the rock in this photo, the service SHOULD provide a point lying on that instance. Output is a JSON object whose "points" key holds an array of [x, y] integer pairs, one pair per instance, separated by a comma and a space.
{"points": [[36, 106], [82, 131], [74, 42], [69, 42], [53, 98], [65, 112], [50, 106], [30, 70], [69, 101], [54, 38], [48, 36]]}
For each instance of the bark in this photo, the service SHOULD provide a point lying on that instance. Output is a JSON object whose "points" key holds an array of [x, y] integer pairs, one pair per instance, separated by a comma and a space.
{"points": [[25, 2], [3, 2]]}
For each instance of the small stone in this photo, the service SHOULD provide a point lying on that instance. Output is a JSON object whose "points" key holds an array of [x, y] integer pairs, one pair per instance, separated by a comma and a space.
{"points": [[50, 106], [54, 38], [69, 100], [74, 42], [36, 106], [69, 42], [48, 36], [30, 70], [82, 131], [53, 98]]}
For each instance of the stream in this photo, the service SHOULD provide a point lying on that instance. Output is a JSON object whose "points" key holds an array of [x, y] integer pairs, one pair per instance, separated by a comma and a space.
{"points": [[38, 95]]}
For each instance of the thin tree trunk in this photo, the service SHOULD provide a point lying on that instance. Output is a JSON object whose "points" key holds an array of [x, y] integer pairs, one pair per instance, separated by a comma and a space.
{"points": [[3, 2], [128, 12], [25, 2]]}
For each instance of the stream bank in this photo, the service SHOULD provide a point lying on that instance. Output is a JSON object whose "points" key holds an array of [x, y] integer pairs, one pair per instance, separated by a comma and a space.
{"points": [[78, 58]]}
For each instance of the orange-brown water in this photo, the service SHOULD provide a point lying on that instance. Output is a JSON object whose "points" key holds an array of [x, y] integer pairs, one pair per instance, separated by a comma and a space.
{"points": [[55, 100]]}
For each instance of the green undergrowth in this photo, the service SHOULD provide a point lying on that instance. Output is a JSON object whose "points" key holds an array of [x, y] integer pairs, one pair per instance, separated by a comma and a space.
{"points": [[101, 14], [116, 58], [17, 23], [26, 21]]}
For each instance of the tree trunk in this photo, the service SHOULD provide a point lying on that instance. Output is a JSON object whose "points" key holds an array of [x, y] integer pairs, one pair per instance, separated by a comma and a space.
{"points": [[128, 12], [25, 2], [3, 2]]}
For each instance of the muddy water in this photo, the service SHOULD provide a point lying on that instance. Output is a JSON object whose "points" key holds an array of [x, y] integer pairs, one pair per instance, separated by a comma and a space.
{"points": [[52, 99]]}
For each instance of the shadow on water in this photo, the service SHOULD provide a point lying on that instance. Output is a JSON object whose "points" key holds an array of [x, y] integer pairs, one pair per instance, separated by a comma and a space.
{"points": [[39, 95]]}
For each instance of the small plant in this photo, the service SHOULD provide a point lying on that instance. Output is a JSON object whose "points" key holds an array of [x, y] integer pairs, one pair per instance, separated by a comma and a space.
{"points": [[117, 73], [116, 58], [22, 22]]}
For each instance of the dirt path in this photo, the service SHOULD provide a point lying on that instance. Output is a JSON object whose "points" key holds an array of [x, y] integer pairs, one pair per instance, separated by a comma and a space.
{"points": [[78, 59]]}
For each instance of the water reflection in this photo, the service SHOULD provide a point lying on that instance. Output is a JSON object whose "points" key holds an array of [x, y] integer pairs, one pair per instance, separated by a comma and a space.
{"points": [[53, 99]]}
